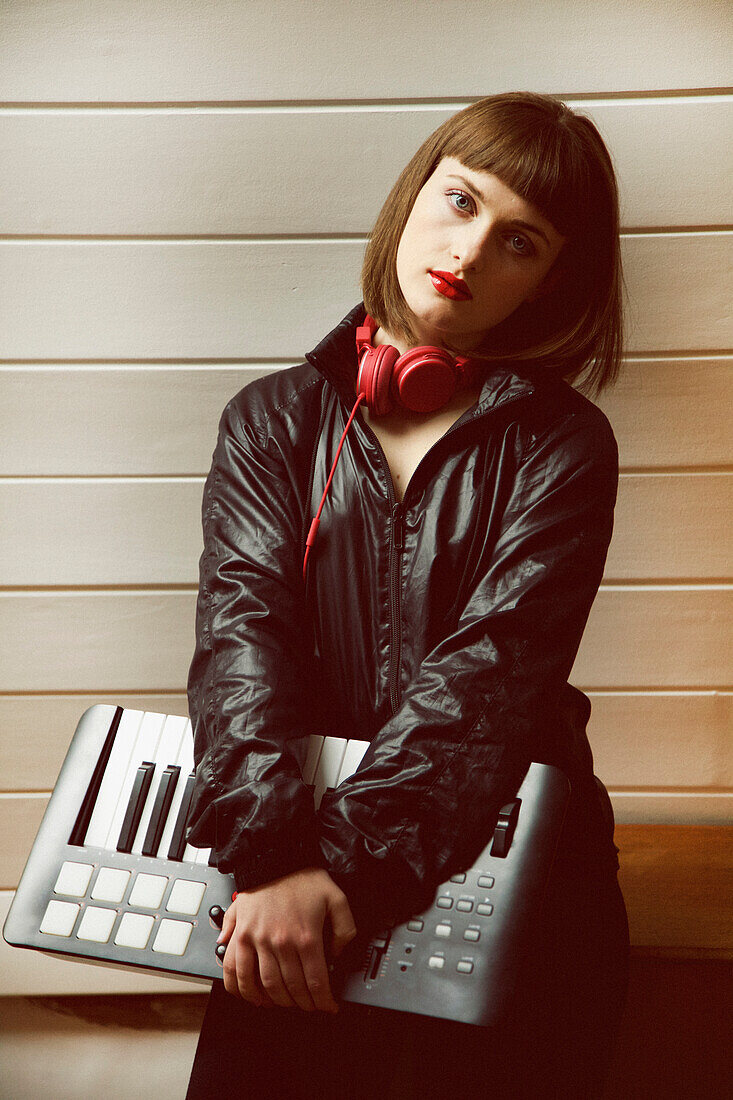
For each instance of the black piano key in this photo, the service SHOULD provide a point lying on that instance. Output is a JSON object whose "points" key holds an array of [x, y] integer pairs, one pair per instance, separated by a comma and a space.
{"points": [[79, 832], [161, 806], [136, 805], [178, 840]]}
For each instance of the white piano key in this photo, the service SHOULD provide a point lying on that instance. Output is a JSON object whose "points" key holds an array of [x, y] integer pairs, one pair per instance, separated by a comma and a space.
{"points": [[166, 752], [196, 855], [329, 766], [315, 746], [117, 767], [353, 757], [146, 742], [185, 760]]}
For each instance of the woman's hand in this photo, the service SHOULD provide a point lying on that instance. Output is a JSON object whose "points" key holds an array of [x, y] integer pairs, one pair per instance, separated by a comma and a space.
{"points": [[275, 935]]}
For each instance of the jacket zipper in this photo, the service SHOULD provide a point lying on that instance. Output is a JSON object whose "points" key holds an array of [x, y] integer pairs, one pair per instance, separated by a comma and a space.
{"points": [[395, 578], [397, 546]]}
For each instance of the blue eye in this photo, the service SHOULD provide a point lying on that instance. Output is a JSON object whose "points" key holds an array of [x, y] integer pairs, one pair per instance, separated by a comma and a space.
{"points": [[463, 202]]}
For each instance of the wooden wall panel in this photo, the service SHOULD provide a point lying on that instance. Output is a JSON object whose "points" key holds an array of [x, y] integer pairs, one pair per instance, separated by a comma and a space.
{"points": [[257, 51], [146, 419], [672, 527], [148, 531], [100, 532], [121, 300], [673, 412], [36, 730], [656, 637], [679, 883], [181, 172], [162, 420], [142, 641], [642, 806], [664, 739], [20, 816]]}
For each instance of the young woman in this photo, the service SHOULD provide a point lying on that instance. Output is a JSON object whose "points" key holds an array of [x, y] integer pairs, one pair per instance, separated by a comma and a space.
{"points": [[461, 543]]}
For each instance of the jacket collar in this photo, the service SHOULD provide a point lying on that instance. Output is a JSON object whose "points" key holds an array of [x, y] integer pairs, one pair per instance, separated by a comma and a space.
{"points": [[336, 359]]}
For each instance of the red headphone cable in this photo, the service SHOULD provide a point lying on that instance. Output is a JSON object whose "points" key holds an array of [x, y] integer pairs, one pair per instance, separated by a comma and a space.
{"points": [[315, 522]]}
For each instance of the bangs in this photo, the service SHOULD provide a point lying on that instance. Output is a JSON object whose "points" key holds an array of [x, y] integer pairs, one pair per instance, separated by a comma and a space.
{"points": [[534, 154]]}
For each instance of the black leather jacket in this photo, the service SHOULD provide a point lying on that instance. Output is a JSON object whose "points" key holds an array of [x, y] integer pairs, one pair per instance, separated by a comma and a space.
{"points": [[442, 629]]}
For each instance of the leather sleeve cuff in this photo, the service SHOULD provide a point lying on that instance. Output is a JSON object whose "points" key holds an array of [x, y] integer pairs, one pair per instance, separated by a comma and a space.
{"points": [[266, 866]]}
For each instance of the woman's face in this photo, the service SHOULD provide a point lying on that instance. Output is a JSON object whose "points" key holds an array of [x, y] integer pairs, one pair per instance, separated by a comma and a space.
{"points": [[496, 248]]}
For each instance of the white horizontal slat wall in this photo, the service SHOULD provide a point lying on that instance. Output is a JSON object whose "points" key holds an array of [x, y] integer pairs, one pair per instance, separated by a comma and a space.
{"points": [[169, 232]]}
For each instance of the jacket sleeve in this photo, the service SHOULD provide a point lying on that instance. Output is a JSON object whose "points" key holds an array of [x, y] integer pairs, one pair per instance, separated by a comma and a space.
{"points": [[428, 792], [250, 670]]}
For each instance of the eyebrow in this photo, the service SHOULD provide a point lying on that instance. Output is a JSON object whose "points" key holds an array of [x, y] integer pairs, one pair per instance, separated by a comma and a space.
{"points": [[515, 221]]}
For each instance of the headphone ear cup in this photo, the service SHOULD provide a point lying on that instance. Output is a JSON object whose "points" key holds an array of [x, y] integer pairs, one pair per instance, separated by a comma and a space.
{"points": [[425, 378], [374, 379]]}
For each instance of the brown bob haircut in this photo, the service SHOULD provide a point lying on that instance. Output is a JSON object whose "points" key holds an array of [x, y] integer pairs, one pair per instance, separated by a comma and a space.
{"points": [[557, 161]]}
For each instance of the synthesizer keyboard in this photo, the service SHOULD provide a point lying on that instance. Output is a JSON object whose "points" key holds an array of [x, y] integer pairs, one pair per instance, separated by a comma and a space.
{"points": [[111, 877]]}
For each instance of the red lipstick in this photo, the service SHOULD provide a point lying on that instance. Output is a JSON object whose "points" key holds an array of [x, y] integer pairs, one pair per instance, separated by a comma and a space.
{"points": [[450, 286]]}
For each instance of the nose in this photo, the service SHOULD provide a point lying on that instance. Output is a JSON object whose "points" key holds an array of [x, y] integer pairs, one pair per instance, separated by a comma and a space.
{"points": [[471, 245]]}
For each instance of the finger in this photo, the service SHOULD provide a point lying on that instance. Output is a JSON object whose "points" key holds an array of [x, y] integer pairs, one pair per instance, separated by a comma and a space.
{"points": [[343, 927], [231, 983], [272, 980], [315, 972], [294, 978], [248, 974]]}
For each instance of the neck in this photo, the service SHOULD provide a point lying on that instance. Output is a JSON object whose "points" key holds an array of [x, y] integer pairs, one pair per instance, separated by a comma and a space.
{"points": [[382, 336]]}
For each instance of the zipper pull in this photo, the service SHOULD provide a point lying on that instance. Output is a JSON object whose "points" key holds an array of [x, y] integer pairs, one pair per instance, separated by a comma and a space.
{"points": [[398, 527]]}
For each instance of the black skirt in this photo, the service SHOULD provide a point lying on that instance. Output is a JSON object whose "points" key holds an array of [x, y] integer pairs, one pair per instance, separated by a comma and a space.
{"points": [[556, 1043]]}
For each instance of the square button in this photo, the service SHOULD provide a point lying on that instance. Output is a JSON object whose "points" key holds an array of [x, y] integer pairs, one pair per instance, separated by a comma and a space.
{"points": [[111, 884], [148, 891], [73, 879], [134, 930], [186, 896], [445, 902], [173, 936], [59, 918], [96, 924], [443, 930]]}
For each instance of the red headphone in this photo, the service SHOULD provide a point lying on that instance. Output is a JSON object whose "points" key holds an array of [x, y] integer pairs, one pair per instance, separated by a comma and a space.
{"points": [[422, 380]]}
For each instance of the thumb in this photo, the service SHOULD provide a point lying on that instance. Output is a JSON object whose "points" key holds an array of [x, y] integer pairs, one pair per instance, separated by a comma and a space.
{"points": [[228, 924]]}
